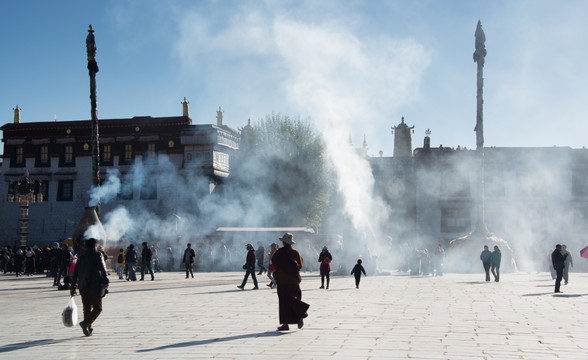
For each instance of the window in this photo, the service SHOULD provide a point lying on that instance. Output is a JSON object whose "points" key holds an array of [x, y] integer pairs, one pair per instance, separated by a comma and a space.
{"points": [[455, 220], [44, 189], [67, 156], [42, 159], [150, 155], [106, 155], [127, 157], [65, 190], [17, 159], [126, 189], [149, 189]]}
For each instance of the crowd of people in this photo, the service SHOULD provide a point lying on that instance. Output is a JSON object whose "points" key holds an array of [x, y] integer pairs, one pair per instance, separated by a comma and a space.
{"points": [[53, 261]]}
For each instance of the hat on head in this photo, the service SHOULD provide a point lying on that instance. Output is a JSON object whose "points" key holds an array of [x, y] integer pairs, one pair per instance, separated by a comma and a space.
{"points": [[288, 238]]}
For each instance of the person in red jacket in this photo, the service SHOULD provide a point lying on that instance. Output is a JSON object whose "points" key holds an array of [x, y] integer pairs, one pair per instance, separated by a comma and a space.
{"points": [[325, 259]]}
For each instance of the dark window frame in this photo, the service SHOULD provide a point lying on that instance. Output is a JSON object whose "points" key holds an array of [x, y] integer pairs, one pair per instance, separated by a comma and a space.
{"points": [[14, 158], [103, 160], [39, 157], [150, 156], [63, 157], [123, 159], [148, 189], [62, 194]]}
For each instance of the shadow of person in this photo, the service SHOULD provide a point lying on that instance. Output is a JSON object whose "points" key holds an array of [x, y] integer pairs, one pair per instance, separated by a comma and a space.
{"points": [[209, 341], [28, 344]]}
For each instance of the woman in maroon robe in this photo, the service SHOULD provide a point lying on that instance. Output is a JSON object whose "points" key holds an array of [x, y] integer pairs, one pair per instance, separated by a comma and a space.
{"points": [[287, 263]]}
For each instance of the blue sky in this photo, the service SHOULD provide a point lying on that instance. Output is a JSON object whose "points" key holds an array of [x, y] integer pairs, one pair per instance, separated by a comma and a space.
{"points": [[354, 66]]}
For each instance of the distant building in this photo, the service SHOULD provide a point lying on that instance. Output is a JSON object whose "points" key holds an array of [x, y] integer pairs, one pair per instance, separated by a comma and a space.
{"points": [[58, 156], [532, 195]]}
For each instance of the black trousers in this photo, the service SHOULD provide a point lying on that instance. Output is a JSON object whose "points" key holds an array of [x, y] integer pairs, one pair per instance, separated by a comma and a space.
{"points": [[487, 270], [558, 278], [92, 305]]}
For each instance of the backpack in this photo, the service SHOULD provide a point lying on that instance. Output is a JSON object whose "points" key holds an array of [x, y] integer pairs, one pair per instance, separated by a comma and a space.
{"points": [[121, 258], [131, 256]]}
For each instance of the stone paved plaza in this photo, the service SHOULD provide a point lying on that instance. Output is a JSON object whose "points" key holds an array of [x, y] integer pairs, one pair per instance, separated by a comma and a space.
{"points": [[457, 316]]}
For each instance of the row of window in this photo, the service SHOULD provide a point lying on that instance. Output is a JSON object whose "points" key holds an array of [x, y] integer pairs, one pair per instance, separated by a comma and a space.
{"points": [[67, 157], [65, 190]]}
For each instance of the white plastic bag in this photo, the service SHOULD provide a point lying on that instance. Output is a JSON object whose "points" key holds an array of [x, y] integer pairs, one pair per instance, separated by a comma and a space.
{"points": [[69, 316]]}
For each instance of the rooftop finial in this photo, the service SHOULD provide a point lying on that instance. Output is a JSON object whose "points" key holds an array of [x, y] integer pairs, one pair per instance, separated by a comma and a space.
{"points": [[16, 115], [219, 116], [185, 110]]}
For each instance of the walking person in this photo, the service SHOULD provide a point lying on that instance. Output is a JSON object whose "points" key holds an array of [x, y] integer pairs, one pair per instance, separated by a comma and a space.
{"points": [[439, 259], [356, 271], [260, 254], [325, 259], [567, 262], [131, 260], [30, 262], [288, 263], [558, 261], [91, 279], [120, 263], [485, 256], [249, 268], [188, 260], [270, 266], [495, 261], [65, 257], [146, 256], [18, 262]]}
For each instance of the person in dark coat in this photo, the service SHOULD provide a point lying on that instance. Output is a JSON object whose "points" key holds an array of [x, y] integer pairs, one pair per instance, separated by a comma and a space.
{"points": [[485, 256], [325, 259], [91, 278], [287, 263], [495, 261], [188, 260], [249, 268], [558, 261], [18, 263], [146, 257], [356, 271], [64, 263], [260, 254]]}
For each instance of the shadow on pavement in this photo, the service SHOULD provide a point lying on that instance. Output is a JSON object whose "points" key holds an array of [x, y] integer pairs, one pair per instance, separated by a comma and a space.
{"points": [[556, 295], [27, 344], [209, 341]]}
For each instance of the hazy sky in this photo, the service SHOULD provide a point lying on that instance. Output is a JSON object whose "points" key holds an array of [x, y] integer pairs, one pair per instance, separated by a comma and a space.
{"points": [[362, 64]]}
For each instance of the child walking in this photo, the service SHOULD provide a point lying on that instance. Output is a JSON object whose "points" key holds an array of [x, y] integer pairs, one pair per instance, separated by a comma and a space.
{"points": [[357, 270]]}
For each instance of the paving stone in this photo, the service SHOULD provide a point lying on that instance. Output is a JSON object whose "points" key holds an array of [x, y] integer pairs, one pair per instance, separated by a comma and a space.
{"points": [[398, 316]]}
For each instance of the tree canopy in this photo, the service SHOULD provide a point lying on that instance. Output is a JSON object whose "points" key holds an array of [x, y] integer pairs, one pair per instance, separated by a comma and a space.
{"points": [[282, 162]]}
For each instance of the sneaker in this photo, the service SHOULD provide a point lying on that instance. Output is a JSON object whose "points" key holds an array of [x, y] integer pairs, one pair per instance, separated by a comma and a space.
{"points": [[322, 287], [284, 327], [300, 323], [241, 287], [85, 329], [255, 288], [270, 285]]}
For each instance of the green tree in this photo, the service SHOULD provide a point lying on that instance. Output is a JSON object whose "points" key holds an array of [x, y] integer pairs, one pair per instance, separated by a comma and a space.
{"points": [[283, 160]]}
